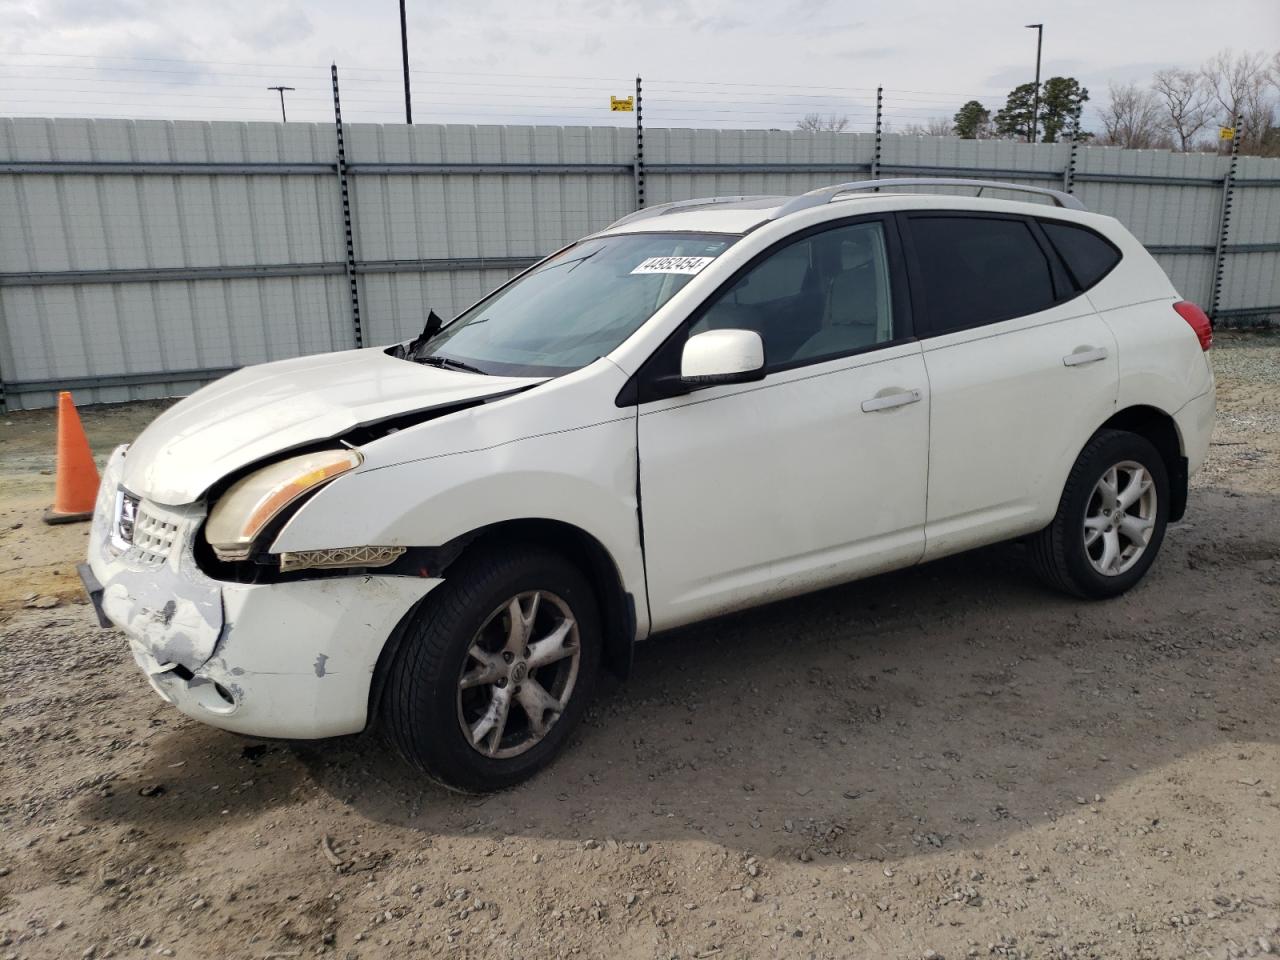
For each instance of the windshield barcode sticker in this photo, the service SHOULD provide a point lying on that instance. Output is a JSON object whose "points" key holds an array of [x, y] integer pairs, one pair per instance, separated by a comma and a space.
{"points": [[689, 265]]}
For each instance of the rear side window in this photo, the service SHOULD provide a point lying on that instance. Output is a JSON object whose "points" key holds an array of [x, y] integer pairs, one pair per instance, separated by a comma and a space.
{"points": [[1088, 256], [977, 270]]}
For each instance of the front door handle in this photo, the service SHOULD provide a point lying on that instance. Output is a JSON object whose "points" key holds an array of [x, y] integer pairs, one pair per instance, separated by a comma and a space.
{"points": [[888, 399], [1082, 355]]}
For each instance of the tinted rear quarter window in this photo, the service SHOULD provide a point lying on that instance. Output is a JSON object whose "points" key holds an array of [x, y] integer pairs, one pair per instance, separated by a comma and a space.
{"points": [[1088, 256], [978, 270]]}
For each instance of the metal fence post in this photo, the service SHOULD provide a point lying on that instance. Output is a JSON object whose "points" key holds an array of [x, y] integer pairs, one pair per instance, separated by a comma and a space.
{"points": [[638, 165], [346, 214], [4, 406], [875, 159], [1224, 222], [1069, 174], [6, 351]]}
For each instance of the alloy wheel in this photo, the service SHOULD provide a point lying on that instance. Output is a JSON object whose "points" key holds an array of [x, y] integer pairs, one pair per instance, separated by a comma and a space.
{"points": [[1119, 518], [519, 674]]}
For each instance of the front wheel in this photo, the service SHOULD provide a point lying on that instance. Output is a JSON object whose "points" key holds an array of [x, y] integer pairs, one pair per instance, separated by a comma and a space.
{"points": [[1110, 521], [495, 669]]}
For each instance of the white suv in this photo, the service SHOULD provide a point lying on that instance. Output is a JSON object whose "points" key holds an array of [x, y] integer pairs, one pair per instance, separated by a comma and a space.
{"points": [[709, 405]]}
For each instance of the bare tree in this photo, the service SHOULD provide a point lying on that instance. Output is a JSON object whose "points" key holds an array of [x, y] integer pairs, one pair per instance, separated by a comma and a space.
{"points": [[817, 123], [1131, 118], [938, 127], [1261, 132], [1184, 101], [933, 127], [1239, 84]]}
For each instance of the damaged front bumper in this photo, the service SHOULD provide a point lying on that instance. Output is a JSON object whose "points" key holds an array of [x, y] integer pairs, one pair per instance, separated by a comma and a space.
{"points": [[292, 660]]}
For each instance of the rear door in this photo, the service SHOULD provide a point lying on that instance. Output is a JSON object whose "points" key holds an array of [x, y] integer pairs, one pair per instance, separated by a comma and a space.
{"points": [[1021, 371]]}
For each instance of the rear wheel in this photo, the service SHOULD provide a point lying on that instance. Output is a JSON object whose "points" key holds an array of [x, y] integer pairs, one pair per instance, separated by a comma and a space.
{"points": [[495, 670], [1110, 521]]}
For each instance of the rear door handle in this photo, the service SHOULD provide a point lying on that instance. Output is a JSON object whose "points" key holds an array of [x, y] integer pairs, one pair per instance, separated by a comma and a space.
{"points": [[1083, 355], [890, 399]]}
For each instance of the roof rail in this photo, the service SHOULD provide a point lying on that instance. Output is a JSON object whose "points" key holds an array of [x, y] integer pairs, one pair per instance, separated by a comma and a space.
{"points": [[823, 195], [664, 208]]}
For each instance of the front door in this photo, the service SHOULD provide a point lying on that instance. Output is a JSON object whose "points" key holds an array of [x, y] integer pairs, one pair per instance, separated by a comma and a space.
{"points": [[814, 475]]}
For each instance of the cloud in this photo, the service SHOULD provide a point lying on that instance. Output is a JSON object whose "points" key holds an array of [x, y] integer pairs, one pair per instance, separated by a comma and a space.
{"points": [[873, 53], [84, 13], [496, 34], [747, 59], [806, 8], [280, 29], [18, 24], [720, 23]]}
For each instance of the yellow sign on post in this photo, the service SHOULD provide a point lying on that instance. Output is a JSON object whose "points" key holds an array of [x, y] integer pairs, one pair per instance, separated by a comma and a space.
{"points": [[1226, 133], [624, 104]]}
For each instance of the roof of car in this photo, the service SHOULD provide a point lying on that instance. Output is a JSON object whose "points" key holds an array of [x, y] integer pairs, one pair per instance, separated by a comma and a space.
{"points": [[738, 215]]}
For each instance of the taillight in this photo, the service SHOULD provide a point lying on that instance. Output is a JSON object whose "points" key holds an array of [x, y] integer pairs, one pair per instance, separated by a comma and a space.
{"points": [[1200, 323]]}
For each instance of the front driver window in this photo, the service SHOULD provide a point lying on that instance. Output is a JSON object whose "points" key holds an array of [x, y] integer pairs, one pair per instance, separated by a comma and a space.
{"points": [[818, 298]]}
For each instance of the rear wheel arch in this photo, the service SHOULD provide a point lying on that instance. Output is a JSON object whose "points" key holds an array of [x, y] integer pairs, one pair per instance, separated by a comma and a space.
{"points": [[584, 551], [1161, 430], [1110, 520]]}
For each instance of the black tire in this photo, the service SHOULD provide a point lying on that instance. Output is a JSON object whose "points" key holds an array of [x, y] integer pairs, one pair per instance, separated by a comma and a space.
{"points": [[420, 711], [1058, 552]]}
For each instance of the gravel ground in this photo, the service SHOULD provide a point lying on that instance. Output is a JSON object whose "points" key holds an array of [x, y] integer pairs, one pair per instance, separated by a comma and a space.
{"points": [[945, 762], [1246, 441]]}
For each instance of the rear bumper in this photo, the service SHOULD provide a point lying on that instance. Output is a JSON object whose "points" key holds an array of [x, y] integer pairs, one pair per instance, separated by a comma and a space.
{"points": [[1195, 426], [292, 660]]}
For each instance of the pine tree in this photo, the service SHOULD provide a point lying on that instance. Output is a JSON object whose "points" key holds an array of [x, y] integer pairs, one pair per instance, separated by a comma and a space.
{"points": [[1014, 118], [972, 121], [1062, 100], [1061, 104]]}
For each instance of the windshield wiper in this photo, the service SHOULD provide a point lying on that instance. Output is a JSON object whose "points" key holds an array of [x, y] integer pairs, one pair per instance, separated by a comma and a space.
{"points": [[575, 264], [437, 360]]}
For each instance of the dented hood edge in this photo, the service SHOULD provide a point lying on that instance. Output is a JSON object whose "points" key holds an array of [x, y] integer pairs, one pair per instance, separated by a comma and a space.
{"points": [[257, 415]]}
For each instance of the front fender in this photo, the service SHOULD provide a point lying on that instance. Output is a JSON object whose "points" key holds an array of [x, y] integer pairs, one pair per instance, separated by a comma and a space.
{"points": [[585, 477]]}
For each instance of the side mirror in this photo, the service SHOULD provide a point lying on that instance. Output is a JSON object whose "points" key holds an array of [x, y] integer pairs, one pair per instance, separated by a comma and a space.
{"points": [[722, 356]]}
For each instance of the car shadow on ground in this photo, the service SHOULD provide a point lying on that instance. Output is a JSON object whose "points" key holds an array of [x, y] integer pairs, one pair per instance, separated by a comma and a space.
{"points": [[951, 703], [947, 705]]}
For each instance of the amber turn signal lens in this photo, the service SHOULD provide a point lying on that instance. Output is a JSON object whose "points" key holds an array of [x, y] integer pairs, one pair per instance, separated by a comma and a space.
{"points": [[254, 501]]}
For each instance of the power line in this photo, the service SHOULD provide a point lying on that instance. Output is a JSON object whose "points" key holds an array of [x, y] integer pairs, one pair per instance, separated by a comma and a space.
{"points": [[173, 86]]}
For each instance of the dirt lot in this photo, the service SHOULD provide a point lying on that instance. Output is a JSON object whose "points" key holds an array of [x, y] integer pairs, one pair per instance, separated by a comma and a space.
{"points": [[949, 762]]}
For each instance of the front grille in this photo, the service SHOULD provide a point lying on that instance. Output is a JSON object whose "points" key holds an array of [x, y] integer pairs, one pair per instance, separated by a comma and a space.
{"points": [[153, 538]]}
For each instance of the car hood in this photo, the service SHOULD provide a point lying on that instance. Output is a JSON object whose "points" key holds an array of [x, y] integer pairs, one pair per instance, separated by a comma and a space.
{"points": [[267, 409]]}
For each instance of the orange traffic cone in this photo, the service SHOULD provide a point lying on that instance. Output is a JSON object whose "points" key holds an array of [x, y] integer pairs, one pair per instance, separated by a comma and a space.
{"points": [[77, 481]]}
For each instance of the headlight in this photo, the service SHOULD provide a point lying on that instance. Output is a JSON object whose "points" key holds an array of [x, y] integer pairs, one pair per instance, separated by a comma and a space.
{"points": [[254, 501]]}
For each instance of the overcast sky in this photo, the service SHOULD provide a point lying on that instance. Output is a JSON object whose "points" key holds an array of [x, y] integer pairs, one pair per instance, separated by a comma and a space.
{"points": [[704, 61]]}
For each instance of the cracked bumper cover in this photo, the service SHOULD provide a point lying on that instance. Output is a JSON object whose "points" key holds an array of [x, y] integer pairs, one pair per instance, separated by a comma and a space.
{"points": [[292, 660]]}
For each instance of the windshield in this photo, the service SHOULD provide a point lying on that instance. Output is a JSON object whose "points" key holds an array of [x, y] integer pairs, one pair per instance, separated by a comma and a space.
{"points": [[575, 307]]}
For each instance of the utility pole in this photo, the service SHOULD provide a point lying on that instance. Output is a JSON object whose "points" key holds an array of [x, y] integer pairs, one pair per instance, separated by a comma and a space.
{"points": [[1035, 103], [281, 90], [404, 53]]}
